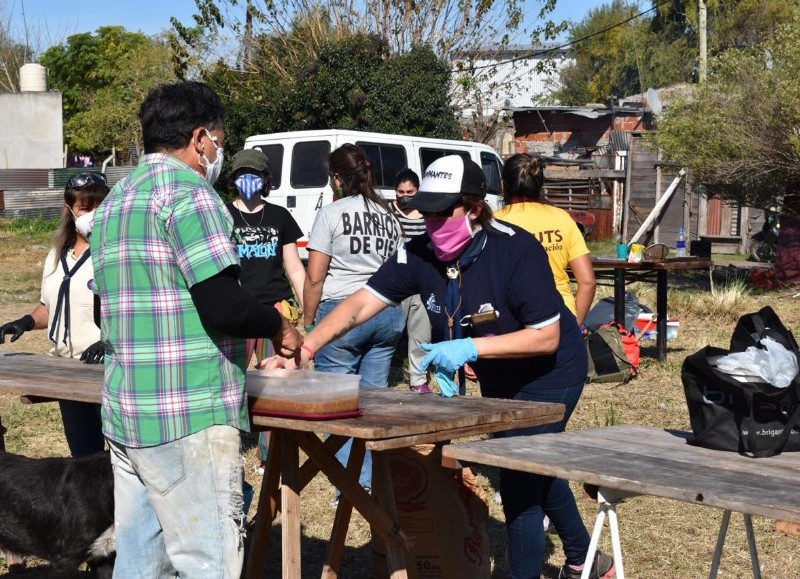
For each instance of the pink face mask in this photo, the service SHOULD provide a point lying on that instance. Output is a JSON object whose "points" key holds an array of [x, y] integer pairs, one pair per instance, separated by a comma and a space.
{"points": [[449, 237]]}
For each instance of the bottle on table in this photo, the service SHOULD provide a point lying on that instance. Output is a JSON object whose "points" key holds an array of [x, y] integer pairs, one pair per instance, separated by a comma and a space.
{"points": [[680, 244]]}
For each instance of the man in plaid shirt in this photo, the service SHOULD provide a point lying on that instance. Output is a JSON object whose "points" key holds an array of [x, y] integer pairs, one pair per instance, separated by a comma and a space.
{"points": [[174, 320]]}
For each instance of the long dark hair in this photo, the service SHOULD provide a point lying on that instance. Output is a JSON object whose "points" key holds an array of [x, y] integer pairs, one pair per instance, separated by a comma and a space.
{"points": [[523, 176], [470, 202], [351, 164], [65, 236]]}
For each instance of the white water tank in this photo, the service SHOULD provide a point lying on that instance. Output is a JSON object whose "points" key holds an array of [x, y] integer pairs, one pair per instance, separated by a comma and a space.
{"points": [[32, 78]]}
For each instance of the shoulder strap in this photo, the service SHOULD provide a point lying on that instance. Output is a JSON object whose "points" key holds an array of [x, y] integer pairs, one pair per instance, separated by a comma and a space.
{"points": [[62, 303]]}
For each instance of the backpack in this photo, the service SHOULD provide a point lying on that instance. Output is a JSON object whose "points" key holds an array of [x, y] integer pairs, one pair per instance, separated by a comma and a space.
{"points": [[613, 354]]}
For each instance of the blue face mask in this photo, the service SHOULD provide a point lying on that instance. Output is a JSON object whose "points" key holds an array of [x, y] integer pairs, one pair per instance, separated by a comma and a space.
{"points": [[249, 185]]}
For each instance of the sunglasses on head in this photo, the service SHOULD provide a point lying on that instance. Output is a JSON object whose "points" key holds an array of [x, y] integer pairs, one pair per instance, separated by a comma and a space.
{"points": [[83, 179], [444, 212]]}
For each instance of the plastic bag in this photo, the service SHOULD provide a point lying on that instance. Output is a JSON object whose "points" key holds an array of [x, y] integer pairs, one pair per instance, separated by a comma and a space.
{"points": [[603, 312], [772, 363]]}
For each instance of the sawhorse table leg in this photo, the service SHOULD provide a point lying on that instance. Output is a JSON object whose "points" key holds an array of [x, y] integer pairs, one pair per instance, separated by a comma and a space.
{"points": [[607, 501], [751, 545], [2, 436]]}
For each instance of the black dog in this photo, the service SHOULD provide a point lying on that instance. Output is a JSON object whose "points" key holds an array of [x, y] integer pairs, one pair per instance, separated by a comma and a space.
{"points": [[59, 509]]}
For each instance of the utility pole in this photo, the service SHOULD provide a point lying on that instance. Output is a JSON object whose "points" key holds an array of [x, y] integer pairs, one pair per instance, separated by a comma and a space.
{"points": [[248, 34], [703, 62]]}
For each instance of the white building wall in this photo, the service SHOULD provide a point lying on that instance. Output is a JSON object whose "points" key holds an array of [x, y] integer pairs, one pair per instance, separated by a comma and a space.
{"points": [[31, 130], [514, 84]]}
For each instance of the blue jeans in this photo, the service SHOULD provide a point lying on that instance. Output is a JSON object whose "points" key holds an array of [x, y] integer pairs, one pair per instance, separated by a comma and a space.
{"points": [[366, 350], [82, 427], [178, 507], [528, 497]]}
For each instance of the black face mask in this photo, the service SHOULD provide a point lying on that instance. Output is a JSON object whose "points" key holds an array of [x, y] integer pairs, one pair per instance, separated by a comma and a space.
{"points": [[403, 201]]}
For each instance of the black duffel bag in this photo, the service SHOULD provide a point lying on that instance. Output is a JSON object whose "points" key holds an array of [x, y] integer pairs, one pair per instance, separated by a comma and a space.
{"points": [[752, 418]]}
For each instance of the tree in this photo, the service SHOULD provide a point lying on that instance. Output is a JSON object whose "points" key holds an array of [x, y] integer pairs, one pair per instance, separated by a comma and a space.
{"points": [[731, 23], [410, 95], [352, 83], [740, 133], [286, 35], [103, 78], [13, 53], [617, 55]]}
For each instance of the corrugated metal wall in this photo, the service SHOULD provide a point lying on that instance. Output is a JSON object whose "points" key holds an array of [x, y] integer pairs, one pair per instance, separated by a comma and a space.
{"points": [[40, 192]]}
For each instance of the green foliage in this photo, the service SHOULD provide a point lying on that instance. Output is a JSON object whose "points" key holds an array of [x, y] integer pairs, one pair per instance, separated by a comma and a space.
{"points": [[738, 134], [334, 89], [294, 41], [410, 97], [103, 78], [348, 83], [625, 59], [659, 48], [35, 229]]}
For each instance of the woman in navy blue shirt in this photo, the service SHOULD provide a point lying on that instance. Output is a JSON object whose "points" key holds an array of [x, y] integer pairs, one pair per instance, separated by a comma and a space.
{"points": [[489, 292]]}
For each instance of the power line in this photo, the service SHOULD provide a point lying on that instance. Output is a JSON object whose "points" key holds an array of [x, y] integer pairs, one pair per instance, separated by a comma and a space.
{"points": [[571, 43]]}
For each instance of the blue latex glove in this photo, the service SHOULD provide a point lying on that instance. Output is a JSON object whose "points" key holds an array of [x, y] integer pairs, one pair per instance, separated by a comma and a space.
{"points": [[449, 356], [446, 384]]}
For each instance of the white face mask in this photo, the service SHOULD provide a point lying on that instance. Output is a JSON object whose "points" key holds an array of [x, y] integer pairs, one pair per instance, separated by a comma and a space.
{"points": [[84, 223], [212, 169]]}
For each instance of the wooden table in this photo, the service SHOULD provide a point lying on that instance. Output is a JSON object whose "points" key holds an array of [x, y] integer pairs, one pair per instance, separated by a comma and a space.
{"points": [[390, 420], [625, 461], [622, 271]]}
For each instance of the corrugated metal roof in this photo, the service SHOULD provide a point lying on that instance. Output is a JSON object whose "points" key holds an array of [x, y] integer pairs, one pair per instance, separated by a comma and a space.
{"points": [[620, 140], [589, 112]]}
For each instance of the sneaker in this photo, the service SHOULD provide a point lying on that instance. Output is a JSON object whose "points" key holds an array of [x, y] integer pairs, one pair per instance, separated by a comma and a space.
{"points": [[421, 389], [602, 568], [335, 500], [261, 468]]}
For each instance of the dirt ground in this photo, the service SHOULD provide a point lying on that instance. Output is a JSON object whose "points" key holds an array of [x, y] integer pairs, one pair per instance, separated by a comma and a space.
{"points": [[660, 538]]}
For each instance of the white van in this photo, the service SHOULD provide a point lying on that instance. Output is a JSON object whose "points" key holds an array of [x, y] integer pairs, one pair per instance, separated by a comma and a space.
{"points": [[298, 161]]}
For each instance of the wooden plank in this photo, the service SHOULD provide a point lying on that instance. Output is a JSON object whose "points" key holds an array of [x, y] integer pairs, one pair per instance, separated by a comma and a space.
{"points": [[394, 413], [344, 510], [406, 441], [266, 511], [577, 174], [290, 509], [387, 414], [351, 490], [648, 461], [632, 437]]}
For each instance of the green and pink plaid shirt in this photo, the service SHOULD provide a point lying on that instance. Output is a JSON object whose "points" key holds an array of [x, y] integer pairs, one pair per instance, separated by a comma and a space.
{"points": [[160, 231]]}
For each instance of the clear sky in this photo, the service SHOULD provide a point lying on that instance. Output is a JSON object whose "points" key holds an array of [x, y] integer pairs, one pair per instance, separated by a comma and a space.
{"points": [[51, 21]]}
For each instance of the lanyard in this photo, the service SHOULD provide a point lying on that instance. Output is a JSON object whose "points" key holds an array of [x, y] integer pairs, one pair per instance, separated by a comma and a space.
{"points": [[453, 295], [63, 295]]}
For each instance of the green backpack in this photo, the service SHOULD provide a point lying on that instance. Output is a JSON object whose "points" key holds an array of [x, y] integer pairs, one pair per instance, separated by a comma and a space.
{"points": [[608, 359]]}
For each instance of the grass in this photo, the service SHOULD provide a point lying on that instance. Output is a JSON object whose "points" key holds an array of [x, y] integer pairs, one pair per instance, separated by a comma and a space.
{"points": [[661, 538]]}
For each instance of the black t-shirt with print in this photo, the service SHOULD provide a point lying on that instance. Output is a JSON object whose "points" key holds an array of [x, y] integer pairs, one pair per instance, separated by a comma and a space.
{"points": [[260, 238]]}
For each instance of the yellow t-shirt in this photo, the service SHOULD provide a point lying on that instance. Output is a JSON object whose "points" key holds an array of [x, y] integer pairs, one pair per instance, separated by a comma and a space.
{"points": [[557, 232]]}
